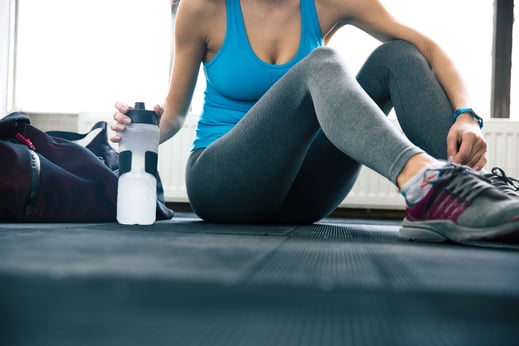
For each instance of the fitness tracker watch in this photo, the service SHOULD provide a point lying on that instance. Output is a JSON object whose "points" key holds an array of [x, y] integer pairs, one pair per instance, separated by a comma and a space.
{"points": [[471, 112]]}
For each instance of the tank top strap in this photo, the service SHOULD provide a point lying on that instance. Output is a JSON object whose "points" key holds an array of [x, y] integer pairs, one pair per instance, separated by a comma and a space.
{"points": [[236, 33], [310, 22]]}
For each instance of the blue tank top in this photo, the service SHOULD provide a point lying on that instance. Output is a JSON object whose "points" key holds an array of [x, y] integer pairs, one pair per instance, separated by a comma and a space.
{"points": [[236, 78]]}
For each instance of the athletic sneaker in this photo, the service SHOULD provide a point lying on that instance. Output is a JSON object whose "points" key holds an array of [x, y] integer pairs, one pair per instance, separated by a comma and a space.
{"points": [[499, 179], [461, 205]]}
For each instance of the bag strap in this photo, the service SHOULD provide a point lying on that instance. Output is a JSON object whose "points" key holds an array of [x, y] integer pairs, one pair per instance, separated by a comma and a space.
{"points": [[13, 123], [73, 136]]}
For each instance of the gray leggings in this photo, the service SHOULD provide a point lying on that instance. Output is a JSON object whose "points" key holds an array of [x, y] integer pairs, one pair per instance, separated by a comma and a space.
{"points": [[297, 153]]}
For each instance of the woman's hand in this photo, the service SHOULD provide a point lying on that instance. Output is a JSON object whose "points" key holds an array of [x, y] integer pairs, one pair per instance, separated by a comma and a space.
{"points": [[121, 119], [465, 143]]}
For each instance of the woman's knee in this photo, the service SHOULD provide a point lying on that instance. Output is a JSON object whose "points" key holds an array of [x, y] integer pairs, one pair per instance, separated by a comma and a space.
{"points": [[325, 61], [322, 56], [396, 48], [397, 53], [323, 53], [398, 57], [402, 52]]}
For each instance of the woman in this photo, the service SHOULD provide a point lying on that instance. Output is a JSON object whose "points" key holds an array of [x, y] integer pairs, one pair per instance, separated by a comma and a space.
{"points": [[285, 126]]}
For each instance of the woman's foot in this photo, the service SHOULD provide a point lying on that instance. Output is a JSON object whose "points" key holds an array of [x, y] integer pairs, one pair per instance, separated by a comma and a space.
{"points": [[460, 204]]}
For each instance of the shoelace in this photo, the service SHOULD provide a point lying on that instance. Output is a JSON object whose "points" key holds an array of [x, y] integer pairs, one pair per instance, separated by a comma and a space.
{"points": [[462, 182], [499, 179]]}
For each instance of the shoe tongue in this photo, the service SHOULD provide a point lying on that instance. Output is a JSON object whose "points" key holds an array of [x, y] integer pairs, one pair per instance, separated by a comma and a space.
{"points": [[420, 185], [431, 176]]}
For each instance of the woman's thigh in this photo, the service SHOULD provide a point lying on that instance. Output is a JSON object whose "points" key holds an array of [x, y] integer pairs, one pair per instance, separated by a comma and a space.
{"points": [[325, 178], [247, 175], [397, 75], [294, 190]]}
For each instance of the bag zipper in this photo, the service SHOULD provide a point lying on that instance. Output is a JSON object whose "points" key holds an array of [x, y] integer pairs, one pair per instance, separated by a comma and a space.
{"points": [[35, 183], [35, 176], [25, 141]]}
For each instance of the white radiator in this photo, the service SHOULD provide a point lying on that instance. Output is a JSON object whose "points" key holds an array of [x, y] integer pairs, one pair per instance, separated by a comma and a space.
{"points": [[173, 156], [370, 191]]}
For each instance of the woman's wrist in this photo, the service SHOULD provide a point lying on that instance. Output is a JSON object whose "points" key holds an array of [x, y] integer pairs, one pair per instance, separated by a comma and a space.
{"points": [[468, 111]]}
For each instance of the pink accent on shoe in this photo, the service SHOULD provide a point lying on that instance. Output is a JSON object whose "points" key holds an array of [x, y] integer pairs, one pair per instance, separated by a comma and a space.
{"points": [[444, 207]]}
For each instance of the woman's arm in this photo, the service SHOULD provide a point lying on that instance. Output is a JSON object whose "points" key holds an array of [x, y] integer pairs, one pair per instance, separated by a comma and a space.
{"points": [[189, 51], [190, 48], [465, 143], [371, 17]]}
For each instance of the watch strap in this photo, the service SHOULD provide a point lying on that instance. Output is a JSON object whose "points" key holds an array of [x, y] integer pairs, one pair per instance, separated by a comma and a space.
{"points": [[469, 111]]}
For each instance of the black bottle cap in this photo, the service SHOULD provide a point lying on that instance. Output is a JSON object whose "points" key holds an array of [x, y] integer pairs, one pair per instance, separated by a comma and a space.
{"points": [[140, 115]]}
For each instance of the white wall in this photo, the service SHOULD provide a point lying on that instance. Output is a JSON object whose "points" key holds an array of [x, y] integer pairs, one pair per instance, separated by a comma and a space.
{"points": [[83, 56], [5, 55]]}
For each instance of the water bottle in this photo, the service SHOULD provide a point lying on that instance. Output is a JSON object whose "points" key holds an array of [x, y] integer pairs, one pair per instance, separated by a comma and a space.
{"points": [[138, 155]]}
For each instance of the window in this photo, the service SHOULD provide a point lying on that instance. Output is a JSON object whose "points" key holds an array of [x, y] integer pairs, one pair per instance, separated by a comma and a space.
{"points": [[82, 56], [462, 27], [6, 54]]}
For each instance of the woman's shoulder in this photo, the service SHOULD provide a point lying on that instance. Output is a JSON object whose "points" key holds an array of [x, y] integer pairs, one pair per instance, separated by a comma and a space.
{"points": [[200, 18], [202, 7]]}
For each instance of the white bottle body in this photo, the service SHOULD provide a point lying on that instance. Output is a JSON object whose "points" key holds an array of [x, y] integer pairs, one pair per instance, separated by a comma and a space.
{"points": [[137, 189]]}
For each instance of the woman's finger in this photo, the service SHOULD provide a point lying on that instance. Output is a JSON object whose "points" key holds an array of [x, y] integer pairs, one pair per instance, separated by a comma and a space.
{"points": [[122, 107]]}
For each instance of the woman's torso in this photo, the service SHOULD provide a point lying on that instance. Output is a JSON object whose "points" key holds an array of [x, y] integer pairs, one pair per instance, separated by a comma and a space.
{"points": [[251, 57]]}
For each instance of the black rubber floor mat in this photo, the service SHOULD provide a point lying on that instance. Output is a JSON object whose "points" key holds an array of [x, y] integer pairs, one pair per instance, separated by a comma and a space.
{"points": [[191, 283], [348, 232], [104, 311]]}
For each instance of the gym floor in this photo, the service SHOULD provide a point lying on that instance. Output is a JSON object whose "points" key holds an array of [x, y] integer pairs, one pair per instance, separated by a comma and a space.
{"points": [[342, 281]]}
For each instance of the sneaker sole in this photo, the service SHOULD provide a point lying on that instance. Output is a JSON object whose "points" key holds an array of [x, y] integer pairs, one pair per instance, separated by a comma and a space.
{"points": [[443, 231]]}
